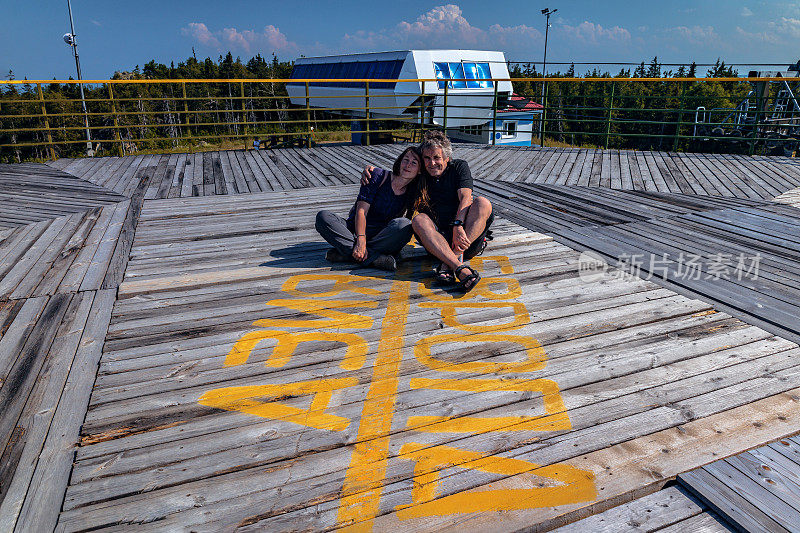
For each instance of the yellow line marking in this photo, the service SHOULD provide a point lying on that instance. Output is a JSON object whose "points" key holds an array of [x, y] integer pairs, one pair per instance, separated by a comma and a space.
{"points": [[575, 485], [513, 290], [501, 260], [324, 308], [249, 399], [450, 316], [363, 484], [354, 358], [341, 283]]}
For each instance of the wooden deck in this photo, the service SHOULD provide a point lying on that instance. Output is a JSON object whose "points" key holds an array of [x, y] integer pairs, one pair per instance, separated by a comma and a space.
{"points": [[756, 490], [742, 255], [244, 172], [180, 356]]}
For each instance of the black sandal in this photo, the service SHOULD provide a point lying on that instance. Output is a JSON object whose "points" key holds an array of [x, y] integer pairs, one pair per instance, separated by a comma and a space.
{"points": [[468, 283], [443, 275]]}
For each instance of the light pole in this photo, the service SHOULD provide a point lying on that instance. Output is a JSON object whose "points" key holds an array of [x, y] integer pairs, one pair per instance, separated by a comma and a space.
{"points": [[69, 38], [546, 12]]}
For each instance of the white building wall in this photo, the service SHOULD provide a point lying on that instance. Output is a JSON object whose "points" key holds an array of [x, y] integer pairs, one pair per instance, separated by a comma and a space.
{"points": [[470, 106]]}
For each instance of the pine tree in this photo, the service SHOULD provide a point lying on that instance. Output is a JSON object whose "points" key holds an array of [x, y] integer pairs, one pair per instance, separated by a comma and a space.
{"points": [[655, 69]]}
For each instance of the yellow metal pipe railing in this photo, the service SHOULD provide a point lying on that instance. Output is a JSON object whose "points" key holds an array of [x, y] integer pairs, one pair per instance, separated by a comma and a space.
{"points": [[139, 114]]}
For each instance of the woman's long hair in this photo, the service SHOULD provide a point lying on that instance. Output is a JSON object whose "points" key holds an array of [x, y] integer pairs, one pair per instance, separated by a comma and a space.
{"points": [[418, 198]]}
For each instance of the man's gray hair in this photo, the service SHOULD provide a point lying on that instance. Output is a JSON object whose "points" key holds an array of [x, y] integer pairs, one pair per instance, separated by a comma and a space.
{"points": [[437, 139]]}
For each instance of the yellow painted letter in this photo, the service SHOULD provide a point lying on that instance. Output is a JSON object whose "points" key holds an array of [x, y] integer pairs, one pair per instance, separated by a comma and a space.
{"points": [[574, 486], [287, 343], [249, 400]]}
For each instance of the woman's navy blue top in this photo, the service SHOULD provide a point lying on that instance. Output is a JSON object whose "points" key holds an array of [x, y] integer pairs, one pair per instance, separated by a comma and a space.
{"points": [[384, 204]]}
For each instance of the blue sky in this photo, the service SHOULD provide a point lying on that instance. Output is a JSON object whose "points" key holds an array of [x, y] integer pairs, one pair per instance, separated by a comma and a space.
{"points": [[119, 35]]}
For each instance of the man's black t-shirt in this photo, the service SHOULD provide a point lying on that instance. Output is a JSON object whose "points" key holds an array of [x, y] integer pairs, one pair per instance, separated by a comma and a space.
{"points": [[443, 191]]}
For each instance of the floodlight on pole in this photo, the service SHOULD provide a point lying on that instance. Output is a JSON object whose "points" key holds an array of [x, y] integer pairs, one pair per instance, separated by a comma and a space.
{"points": [[69, 38], [546, 12]]}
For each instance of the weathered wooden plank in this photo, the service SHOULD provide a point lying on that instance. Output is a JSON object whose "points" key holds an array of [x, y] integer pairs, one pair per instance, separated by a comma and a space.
{"points": [[16, 330], [748, 187], [217, 183], [225, 172], [120, 182], [649, 513], [347, 167], [208, 187], [322, 165], [734, 506], [282, 180], [48, 484], [782, 492], [614, 477], [35, 420], [51, 275], [231, 169], [233, 442], [302, 176], [99, 256], [21, 379], [703, 523], [541, 159], [59, 163], [253, 178], [34, 253], [119, 258], [594, 175], [143, 172], [197, 178], [162, 181], [178, 166], [18, 243], [112, 173]]}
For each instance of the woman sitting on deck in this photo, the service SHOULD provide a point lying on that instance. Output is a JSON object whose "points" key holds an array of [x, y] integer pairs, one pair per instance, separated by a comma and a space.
{"points": [[376, 231]]}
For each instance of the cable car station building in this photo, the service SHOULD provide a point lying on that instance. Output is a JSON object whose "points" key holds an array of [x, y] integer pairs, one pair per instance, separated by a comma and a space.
{"points": [[460, 100]]}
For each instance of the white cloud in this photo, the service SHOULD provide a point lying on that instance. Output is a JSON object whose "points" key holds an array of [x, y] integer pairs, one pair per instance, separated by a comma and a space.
{"points": [[200, 33], [442, 27], [776, 33], [746, 12], [442, 24], [96, 23], [506, 36], [747, 38], [270, 39], [698, 35], [591, 33], [787, 26]]}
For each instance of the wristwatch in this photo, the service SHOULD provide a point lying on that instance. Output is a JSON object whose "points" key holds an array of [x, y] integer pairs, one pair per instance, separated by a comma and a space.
{"points": [[458, 223]]}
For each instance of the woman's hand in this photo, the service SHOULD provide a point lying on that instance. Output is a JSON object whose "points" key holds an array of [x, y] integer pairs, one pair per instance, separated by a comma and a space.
{"points": [[367, 174], [360, 248], [460, 239]]}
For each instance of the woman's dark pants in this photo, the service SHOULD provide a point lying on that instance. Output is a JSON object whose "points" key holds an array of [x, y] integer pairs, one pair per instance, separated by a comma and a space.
{"points": [[390, 240]]}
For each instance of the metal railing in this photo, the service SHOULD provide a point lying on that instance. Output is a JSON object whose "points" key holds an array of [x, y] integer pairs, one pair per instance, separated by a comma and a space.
{"points": [[44, 119]]}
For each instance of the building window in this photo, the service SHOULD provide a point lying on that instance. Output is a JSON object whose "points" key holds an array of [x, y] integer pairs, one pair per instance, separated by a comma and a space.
{"points": [[510, 128], [472, 130], [373, 70], [478, 75], [466, 75]]}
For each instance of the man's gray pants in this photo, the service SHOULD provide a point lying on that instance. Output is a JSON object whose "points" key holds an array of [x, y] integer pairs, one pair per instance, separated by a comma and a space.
{"points": [[390, 240]]}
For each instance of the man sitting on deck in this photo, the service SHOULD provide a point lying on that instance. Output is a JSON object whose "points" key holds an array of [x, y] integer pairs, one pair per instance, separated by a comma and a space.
{"points": [[452, 225]]}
